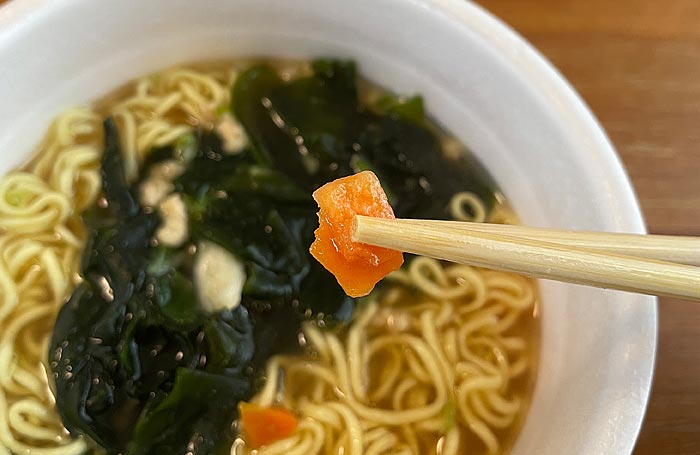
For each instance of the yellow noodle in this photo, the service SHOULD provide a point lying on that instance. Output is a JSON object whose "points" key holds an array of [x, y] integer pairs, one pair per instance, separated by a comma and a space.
{"points": [[464, 202], [40, 239], [391, 370], [158, 109]]}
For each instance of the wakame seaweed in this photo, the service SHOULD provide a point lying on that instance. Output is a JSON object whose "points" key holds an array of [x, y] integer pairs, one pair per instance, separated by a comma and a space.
{"points": [[138, 367], [314, 129]]}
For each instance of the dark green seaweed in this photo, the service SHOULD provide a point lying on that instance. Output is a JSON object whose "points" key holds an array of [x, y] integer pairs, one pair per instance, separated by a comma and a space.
{"points": [[196, 415], [314, 130]]}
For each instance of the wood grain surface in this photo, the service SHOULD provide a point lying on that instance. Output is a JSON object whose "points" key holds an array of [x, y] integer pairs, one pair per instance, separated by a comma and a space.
{"points": [[637, 65]]}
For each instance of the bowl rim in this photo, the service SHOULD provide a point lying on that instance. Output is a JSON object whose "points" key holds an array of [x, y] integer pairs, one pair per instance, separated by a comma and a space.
{"points": [[539, 72]]}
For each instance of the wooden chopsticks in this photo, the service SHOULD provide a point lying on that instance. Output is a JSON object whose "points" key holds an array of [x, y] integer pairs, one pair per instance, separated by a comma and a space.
{"points": [[648, 264]]}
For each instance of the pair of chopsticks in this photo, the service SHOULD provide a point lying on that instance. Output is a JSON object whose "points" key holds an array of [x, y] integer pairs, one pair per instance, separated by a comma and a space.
{"points": [[648, 264]]}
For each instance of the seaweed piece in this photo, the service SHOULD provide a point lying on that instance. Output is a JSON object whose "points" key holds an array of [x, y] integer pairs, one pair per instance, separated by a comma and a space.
{"points": [[114, 185], [315, 130], [248, 103], [195, 416], [408, 109]]}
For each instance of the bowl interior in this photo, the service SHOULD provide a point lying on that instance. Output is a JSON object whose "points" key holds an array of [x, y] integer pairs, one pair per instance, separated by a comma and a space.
{"points": [[479, 80]]}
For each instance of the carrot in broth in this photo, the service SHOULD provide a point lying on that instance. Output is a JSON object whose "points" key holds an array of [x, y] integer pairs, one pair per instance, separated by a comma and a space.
{"points": [[263, 426]]}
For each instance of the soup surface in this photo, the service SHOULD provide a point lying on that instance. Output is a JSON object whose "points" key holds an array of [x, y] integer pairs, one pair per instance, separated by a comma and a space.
{"points": [[158, 295]]}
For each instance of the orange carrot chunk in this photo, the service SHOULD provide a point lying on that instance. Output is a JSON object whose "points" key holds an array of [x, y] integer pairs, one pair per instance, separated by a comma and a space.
{"points": [[263, 426], [356, 266]]}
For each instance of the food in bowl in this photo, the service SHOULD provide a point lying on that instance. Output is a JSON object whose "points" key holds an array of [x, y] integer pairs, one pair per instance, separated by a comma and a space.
{"points": [[158, 244]]}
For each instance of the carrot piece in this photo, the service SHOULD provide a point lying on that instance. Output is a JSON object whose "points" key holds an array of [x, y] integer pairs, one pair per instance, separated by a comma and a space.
{"points": [[356, 266], [263, 426]]}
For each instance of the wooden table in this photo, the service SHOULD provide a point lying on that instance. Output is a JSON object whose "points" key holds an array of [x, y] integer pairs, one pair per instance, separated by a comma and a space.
{"points": [[637, 64]]}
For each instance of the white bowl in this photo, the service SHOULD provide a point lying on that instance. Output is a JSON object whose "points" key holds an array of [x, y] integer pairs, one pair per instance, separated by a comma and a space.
{"points": [[480, 80]]}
